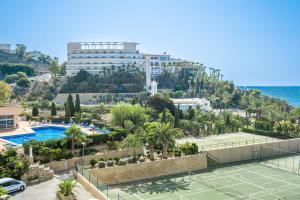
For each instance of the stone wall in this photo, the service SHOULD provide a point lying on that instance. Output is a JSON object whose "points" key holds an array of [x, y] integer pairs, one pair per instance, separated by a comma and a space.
{"points": [[38, 173], [71, 163], [151, 169], [254, 151]]}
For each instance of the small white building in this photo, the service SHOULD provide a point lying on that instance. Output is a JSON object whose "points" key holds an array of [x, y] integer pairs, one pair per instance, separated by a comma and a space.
{"points": [[153, 88], [184, 104]]}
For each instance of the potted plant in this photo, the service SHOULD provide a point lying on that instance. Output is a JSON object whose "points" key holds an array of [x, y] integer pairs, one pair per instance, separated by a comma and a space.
{"points": [[65, 190], [3, 194]]}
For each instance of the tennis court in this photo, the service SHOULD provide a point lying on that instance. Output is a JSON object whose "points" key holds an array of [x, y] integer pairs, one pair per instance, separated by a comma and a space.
{"points": [[226, 140], [244, 181]]}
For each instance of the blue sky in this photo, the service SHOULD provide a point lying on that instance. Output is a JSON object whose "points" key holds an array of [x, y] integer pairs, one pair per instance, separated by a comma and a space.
{"points": [[254, 42]]}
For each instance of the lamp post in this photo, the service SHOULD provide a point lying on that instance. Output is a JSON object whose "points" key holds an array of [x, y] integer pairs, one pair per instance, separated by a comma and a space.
{"points": [[30, 154], [83, 144]]}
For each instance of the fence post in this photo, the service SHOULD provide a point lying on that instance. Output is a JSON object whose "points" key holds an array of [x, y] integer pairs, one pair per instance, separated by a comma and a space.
{"points": [[293, 163], [89, 176], [107, 191]]}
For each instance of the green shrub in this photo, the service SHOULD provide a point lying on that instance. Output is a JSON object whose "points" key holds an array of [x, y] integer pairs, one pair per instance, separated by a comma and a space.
{"points": [[93, 162], [177, 153], [117, 135], [189, 148], [11, 68], [112, 145], [23, 82], [3, 191], [12, 164], [265, 133], [11, 78], [98, 139], [101, 164], [117, 159], [66, 187]]}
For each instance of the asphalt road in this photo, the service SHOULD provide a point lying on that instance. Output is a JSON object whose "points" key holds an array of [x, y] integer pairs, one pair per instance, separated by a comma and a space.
{"points": [[47, 191]]}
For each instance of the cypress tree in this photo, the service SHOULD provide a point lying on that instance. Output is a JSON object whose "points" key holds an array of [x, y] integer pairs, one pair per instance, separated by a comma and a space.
{"points": [[191, 112], [67, 111], [133, 101], [70, 104], [35, 111], [77, 104], [53, 109]]}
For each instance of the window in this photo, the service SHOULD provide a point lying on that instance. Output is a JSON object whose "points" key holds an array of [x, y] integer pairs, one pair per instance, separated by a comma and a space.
{"points": [[6, 121]]}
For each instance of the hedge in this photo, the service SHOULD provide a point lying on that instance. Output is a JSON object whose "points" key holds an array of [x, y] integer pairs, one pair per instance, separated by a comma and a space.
{"points": [[265, 133], [11, 68]]}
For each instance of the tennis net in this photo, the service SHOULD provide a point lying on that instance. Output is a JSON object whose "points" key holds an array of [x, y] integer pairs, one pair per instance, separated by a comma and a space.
{"points": [[280, 158]]}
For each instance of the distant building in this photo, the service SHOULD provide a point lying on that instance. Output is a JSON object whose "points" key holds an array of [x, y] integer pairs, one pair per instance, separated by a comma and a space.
{"points": [[5, 47], [9, 116], [98, 57], [184, 104]]}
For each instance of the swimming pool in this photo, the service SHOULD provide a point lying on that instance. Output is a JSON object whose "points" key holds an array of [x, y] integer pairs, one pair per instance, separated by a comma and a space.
{"points": [[40, 134]]}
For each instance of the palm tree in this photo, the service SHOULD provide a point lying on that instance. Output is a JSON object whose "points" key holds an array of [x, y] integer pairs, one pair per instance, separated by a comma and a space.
{"points": [[151, 136], [132, 141], [167, 136], [73, 132]]}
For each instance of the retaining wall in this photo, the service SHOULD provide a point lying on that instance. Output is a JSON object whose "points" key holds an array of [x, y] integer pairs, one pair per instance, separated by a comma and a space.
{"points": [[71, 163], [254, 151], [151, 169], [90, 187]]}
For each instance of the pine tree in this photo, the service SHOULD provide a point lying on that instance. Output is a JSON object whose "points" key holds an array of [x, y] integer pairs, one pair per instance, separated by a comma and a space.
{"points": [[77, 104], [53, 109]]}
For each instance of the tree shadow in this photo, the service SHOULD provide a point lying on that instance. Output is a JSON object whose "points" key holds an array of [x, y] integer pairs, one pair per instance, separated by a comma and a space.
{"points": [[158, 186]]}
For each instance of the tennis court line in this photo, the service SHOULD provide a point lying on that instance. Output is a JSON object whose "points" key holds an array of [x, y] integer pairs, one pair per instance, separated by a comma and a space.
{"points": [[241, 170], [261, 175]]}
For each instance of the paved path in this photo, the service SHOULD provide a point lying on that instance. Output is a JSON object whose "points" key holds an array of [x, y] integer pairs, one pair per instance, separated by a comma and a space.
{"points": [[47, 191]]}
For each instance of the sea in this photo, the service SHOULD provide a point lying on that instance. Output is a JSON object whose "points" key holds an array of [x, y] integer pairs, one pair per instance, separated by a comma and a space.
{"points": [[290, 94]]}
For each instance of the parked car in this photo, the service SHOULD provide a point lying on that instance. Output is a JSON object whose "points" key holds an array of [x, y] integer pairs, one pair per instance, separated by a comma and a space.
{"points": [[12, 185]]}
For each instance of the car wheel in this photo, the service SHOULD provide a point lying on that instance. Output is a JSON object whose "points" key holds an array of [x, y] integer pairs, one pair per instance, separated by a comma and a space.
{"points": [[22, 188]]}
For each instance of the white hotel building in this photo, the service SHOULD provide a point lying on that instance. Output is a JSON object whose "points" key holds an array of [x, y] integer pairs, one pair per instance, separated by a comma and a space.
{"points": [[94, 57]]}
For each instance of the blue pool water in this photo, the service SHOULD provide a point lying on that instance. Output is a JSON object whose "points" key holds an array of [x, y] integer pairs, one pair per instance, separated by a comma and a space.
{"points": [[41, 134], [289, 93]]}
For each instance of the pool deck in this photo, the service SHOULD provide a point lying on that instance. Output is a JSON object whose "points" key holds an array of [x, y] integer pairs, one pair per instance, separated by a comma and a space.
{"points": [[25, 127]]}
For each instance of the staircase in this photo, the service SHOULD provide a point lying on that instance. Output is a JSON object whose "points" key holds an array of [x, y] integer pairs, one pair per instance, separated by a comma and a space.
{"points": [[212, 161], [38, 173]]}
